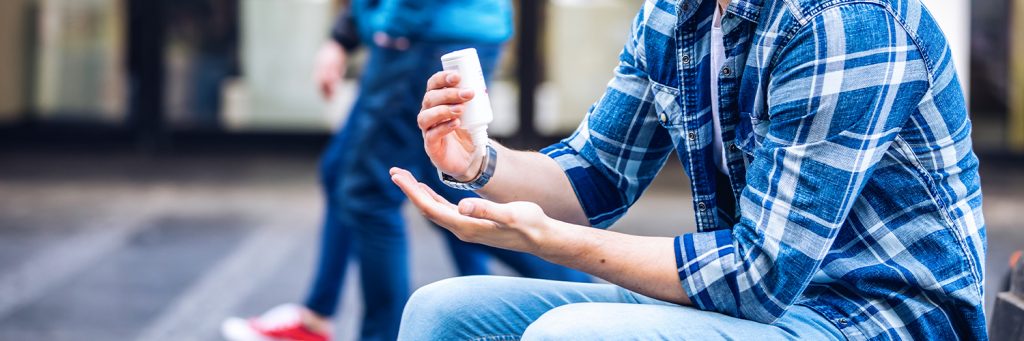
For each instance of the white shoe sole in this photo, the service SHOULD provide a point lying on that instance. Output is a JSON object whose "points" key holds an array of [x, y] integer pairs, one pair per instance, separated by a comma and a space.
{"points": [[237, 329]]}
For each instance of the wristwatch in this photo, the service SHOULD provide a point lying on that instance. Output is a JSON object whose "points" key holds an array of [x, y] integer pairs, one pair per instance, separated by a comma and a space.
{"points": [[486, 172]]}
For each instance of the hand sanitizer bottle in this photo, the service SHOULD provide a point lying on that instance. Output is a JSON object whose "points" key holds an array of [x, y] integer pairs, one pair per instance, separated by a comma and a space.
{"points": [[478, 113]]}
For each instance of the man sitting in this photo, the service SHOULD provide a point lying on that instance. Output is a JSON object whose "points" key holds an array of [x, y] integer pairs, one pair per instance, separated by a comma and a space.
{"points": [[829, 152]]}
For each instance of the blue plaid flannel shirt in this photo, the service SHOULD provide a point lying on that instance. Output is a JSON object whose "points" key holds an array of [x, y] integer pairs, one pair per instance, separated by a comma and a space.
{"points": [[852, 188]]}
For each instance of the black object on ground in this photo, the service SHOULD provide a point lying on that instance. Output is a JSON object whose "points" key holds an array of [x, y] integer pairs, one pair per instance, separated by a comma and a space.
{"points": [[1008, 315]]}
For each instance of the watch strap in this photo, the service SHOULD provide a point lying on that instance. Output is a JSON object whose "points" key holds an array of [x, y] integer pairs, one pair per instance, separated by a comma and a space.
{"points": [[486, 172]]}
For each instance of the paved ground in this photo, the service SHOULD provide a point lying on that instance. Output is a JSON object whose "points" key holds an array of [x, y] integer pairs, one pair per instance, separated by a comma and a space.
{"points": [[116, 246]]}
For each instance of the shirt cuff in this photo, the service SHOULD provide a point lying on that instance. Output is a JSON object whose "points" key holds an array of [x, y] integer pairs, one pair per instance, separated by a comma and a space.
{"points": [[601, 201], [344, 31], [704, 261]]}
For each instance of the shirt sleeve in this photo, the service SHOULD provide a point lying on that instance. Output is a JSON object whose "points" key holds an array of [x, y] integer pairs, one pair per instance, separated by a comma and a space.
{"points": [[840, 92], [619, 147], [344, 31]]}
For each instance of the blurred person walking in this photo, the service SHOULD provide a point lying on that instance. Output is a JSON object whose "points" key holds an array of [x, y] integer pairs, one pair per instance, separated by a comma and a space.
{"points": [[406, 40]]}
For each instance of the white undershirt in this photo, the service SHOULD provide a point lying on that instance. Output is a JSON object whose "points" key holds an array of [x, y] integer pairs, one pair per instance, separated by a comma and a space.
{"points": [[717, 61]]}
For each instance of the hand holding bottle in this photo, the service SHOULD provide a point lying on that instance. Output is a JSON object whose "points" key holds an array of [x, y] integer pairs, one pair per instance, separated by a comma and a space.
{"points": [[448, 145], [455, 115]]}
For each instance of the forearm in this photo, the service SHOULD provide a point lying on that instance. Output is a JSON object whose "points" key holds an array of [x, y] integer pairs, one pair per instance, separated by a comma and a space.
{"points": [[645, 265], [534, 177]]}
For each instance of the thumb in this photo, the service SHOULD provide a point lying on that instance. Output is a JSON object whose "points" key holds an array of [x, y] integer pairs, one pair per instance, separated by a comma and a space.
{"points": [[485, 209]]}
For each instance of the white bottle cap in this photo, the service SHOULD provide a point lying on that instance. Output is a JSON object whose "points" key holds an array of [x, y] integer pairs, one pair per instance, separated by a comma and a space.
{"points": [[480, 139]]}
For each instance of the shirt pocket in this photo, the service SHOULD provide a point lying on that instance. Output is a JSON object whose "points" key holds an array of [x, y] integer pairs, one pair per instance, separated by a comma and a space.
{"points": [[666, 105]]}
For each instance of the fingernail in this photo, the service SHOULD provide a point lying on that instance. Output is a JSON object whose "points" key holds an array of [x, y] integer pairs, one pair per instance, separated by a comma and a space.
{"points": [[466, 93], [466, 207], [451, 124], [451, 78], [456, 109]]}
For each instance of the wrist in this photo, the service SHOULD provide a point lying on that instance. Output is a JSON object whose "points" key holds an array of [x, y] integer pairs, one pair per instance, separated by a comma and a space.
{"points": [[546, 240], [558, 242], [475, 168], [486, 171]]}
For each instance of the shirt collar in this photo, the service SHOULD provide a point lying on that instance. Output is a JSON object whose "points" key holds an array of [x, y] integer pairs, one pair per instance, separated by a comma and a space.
{"points": [[746, 9]]}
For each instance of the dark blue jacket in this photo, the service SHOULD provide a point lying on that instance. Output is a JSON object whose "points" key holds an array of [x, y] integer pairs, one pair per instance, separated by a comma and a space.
{"points": [[443, 21]]}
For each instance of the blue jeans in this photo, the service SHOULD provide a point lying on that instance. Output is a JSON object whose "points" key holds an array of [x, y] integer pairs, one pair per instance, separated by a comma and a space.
{"points": [[507, 308], [363, 205]]}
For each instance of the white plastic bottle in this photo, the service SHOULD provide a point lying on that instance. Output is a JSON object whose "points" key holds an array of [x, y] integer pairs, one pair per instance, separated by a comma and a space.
{"points": [[478, 113]]}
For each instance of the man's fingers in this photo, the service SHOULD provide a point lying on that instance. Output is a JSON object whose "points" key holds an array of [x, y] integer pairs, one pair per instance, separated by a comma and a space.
{"points": [[416, 194], [438, 132], [326, 90], [486, 209], [428, 201], [406, 182], [328, 86], [434, 207], [438, 97], [429, 118], [417, 191], [437, 197], [443, 79], [325, 81]]}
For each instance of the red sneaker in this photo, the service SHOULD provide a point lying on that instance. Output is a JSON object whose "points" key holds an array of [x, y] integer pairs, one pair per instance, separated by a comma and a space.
{"points": [[283, 323]]}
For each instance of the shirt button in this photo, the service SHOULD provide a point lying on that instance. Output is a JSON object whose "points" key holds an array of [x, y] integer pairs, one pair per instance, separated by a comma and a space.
{"points": [[702, 207], [663, 118], [733, 148], [842, 321], [691, 135], [686, 59], [726, 71], [686, 7]]}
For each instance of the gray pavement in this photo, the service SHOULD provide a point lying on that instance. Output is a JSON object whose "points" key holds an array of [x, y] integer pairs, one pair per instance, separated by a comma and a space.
{"points": [[116, 246]]}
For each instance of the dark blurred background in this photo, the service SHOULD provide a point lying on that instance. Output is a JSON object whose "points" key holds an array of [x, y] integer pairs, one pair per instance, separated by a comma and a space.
{"points": [[158, 157]]}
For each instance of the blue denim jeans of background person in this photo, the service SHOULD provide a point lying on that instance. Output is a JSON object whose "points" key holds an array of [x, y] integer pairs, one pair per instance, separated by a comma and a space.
{"points": [[507, 308], [363, 206]]}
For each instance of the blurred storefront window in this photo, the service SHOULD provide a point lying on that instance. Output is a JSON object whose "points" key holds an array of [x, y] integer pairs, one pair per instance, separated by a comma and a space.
{"points": [[989, 70], [279, 41], [246, 65], [581, 45], [78, 61], [13, 19], [201, 53]]}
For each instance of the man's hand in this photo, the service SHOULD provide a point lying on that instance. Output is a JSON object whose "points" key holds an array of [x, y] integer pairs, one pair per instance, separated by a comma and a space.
{"points": [[448, 146], [518, 226], [642, 264], [330, 68]]}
